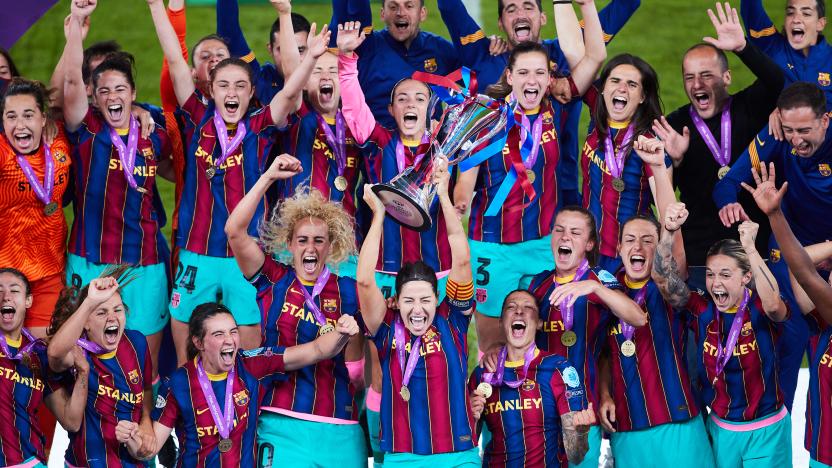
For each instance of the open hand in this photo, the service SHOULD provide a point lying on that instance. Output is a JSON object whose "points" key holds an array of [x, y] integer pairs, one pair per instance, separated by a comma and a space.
{"points": [[729, 34], [350, 37], [766, 194], [675, 144]]}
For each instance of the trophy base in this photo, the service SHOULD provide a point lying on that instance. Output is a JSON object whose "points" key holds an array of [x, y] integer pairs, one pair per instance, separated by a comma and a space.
{"points": [[402, 208]]}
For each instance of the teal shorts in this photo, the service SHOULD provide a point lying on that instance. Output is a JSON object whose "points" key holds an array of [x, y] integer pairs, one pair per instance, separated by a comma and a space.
{"points": [[768, 446], [678, 444], [200, 279], [467, 458], [501, 268], [146, 296], [816, 464], [287, 441], [387, 284], [373, 427], [593, 453]]}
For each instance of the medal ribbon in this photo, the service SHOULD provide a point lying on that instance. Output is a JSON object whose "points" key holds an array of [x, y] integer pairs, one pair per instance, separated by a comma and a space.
{"points": [[530, 148], [43, 192], [309, 299], [33, 342], [338, 141], [88, 345], [225, 420], [626, 329], [519, 163], [723, 354], [413, 358], [721, 155], [615, 159], [127, 154], [222, 135], [496, 378], [568, 312], [401, 160]]}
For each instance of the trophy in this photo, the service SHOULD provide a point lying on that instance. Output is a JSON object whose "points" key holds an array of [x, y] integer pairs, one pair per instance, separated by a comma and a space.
{"points": [[408, 196]]}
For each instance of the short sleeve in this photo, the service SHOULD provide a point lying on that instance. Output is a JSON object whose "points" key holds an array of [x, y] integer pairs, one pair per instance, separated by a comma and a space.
{"points": [[265, 362], [607, 279], [270, 273], [697, 304], [195, 108], [166, 409], [383, 339], [261, 120], [567, 389]]}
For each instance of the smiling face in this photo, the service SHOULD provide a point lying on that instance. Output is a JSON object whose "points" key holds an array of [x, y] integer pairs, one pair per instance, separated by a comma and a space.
{"points": [[725, 281], [637, 248], [105, 325], [232, 92], [114, 96], [706, 82], [520, 320], [219, 345], [521, 20], [207, 55], [802, 24], [803, 129], [410, 108], [23, 122], [402, 18], [322, 88], [310, 246], [571, 241], [14, 300], [529, 79], [623, 92], [417, 306]]}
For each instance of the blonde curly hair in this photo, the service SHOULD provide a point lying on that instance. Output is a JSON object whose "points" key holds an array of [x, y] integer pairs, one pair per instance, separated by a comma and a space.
{"points": [[276, 233]]}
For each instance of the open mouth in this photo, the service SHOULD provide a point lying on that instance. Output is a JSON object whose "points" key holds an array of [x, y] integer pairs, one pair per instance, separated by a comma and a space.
{"points": [[564, 253], [326, 91], [116, 111], [227, 356], [720, 298], [531, 94], [518, 329], [798, 34], [23, 140], [637, 262], [410, 119], [310, 263], [803, 147], [401, 25], [232, 106], [111, 334], [619, 103], [523, 31], [7, 313], [702, 99]]}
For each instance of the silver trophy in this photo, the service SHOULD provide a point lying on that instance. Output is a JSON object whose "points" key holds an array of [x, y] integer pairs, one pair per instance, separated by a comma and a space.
{"points": [[408, 196]]}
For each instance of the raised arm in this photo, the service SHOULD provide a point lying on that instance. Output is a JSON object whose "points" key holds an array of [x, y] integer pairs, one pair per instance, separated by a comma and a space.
{"points": [[75, 93], [247, 251], [178, 19], [373, 305], [764, 282], [464, 190], [583, 73], [570, 36], [228, 27], [666, 272], [458, 241], [56, 82], [357, 113], [323, 347], [467, 36], [68, 408], [651, 151], [760, 28], [350, 10], [180, 72], [289, 54]]}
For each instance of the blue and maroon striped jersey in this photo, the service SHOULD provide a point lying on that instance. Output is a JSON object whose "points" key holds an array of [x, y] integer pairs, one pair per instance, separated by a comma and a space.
{"points": [[113, 222], [591, 321], [399, 244], [117, 383], [525, 421], [818, 439], [749, 387], [610, 207], [23, 388], [651, 387], [536, 220], [205, 204], [182, 405], [322, 389], [437, 418]]}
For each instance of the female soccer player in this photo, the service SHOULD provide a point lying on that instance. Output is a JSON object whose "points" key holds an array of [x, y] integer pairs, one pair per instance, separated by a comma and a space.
{"points": [[33, 178], [736, 332], [646, 397], [213, 400], [517, 193], [26, 380], [574, 300], [533, 402], [117, 207], [425, 413], [120, 368], [616, 184], [219, 169], [299, 300]]}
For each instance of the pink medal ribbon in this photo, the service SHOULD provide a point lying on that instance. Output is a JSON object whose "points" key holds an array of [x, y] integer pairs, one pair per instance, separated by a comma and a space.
{"points": [[127, 154], [91, 347], [401, 161], [309, 299], [43, 192], [338, 141], [568, 312], [222, 135], [723, 354], [412, 359], [224, 421], [626, 329], [721, 155], [496, 378], [24, 350], [536, 132], [615, 159]]}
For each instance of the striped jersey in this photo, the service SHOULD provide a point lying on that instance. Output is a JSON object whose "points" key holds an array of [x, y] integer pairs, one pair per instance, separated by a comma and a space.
{"points": [[651, 387], [535, 220], [437, 418], [113, 222], [182, 405], [206, 203], [31, 241], [749, 387], [322, 389], [591, 320], [117, 382], [818, 439], [525, 421]]}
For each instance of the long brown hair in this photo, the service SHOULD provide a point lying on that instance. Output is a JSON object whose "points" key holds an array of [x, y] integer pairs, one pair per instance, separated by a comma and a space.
{"points": [[501, 89], [646, 112]]}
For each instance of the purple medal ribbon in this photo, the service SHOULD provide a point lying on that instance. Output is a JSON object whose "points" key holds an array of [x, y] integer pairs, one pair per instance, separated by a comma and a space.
{"points": [[338, 141], [626, 329], [400, 159], [615, 159], [412, 359], [309, 299], [496, 378], [91, 347], [568, 312], [43, 192], [224, 421], [723, 354], [33, 342], [721, 155], [222, 135], [537, 133], [127, 154]]}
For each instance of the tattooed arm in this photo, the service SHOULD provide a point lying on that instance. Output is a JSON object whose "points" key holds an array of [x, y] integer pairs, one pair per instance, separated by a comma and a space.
{"points": [[666, 272], [575, 426], [764, 282]]}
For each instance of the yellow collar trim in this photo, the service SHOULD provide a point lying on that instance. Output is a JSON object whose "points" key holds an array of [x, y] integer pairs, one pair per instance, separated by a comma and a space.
{"points": [[519, 363], [534, 111], [109, 355], [635, 284], [214, 377], [618, 125], [122, 131], [14, 343], [564, 279], [329, 120]]}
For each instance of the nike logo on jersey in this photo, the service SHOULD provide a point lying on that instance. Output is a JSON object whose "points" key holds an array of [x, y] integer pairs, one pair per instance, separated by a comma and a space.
{"points": [[760, 142], [200, 411]]}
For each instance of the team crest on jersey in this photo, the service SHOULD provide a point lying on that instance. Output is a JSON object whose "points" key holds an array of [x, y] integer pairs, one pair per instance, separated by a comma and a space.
{"points": [[528, 385], [547, 118], [174, 299], [570, 377], [774, 255], [482, 295], [61, 157], [430, 65], [147, 152], [133, 376], [430, 336], [824, 169], [241, 398], [746, 329], [823, 79], [330, 305]]}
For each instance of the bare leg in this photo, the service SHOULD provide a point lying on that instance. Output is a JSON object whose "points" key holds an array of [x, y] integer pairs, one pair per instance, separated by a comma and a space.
{"points": [[179, 330]]}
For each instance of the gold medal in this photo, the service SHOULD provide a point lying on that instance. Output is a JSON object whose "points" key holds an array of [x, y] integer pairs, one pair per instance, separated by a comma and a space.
{"points": [[50, 208], [142, 190], [341, 183], [405, 393], [210, 172], [628, 348], [530, 175], [569, 338], [722, 171], [326, 328], [225, 445], [618, 184], [484, 389]]}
